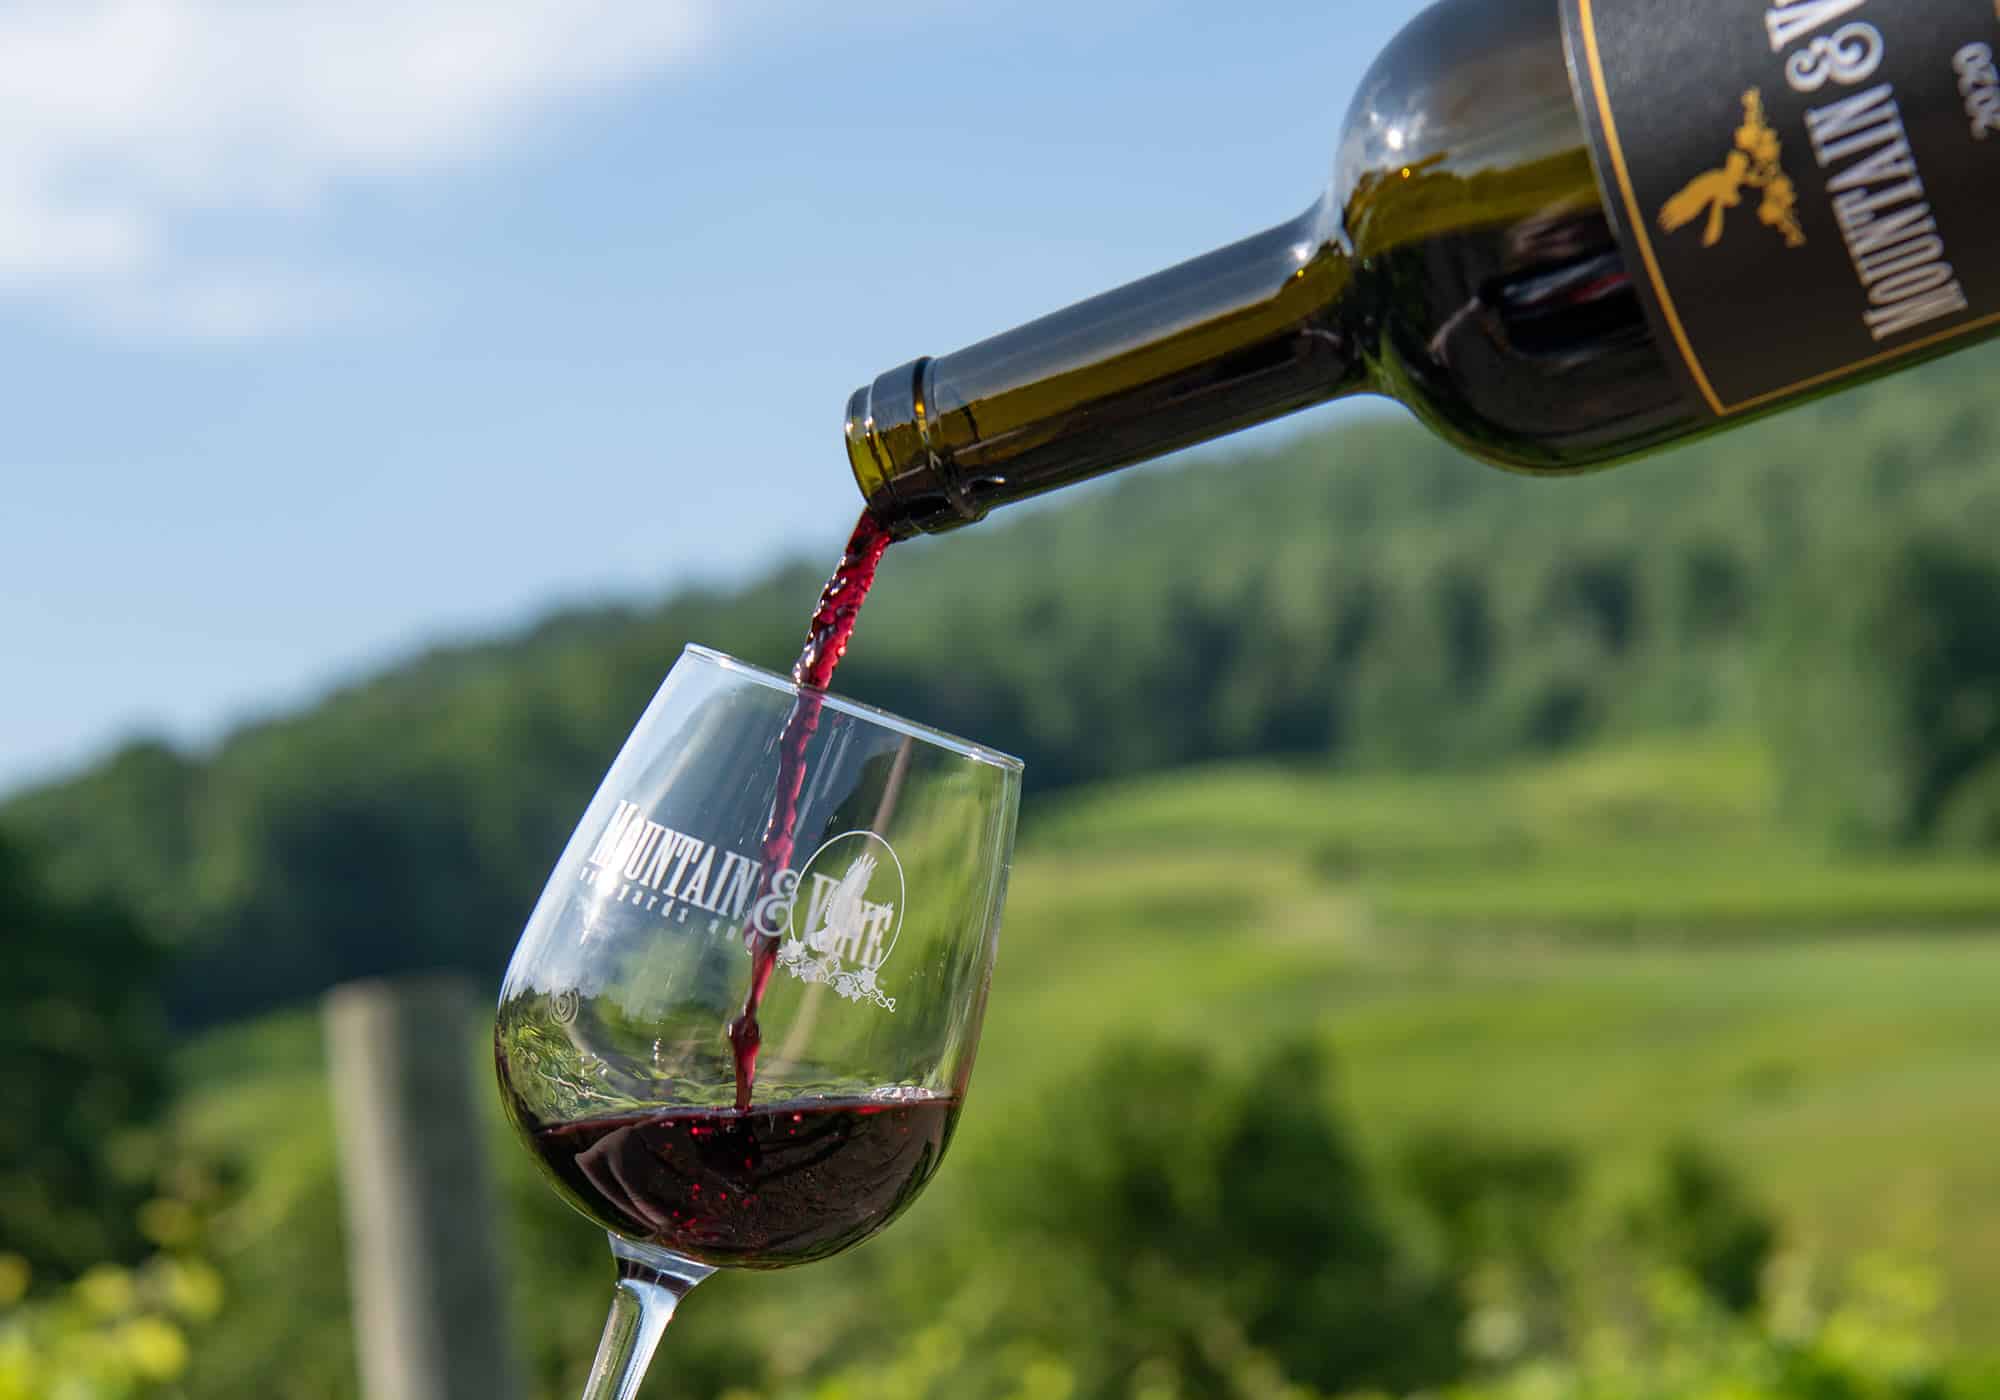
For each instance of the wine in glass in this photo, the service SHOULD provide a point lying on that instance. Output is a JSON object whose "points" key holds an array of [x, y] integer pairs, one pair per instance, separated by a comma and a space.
{"points": [[740, 1024]]}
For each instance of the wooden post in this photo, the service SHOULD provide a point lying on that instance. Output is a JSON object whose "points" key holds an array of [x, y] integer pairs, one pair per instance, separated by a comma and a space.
{"points": [[422, 1254]]}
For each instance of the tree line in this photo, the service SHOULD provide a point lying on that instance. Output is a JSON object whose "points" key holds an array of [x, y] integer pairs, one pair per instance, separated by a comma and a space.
{"points": [[1360, 597]]}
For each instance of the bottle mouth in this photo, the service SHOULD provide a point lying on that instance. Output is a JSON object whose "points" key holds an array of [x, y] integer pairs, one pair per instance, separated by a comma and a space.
{"points": [[909, 485], [1235, 337]]}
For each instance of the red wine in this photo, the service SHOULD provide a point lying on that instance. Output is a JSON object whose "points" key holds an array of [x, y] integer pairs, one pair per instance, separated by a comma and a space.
{"points": [[781, 1184], [827, 636], [840, 603]]}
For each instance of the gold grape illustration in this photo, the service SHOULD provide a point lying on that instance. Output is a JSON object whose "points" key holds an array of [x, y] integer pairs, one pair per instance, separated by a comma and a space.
{"points": [[1752, 164]]}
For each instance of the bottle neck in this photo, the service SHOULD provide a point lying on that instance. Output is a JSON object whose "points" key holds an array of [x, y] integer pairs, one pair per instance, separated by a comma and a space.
{"points": [[1240, 336]]}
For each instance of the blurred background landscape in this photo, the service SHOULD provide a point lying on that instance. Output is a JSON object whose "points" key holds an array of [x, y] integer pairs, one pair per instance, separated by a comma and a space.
{"points": [[1469, 936]]}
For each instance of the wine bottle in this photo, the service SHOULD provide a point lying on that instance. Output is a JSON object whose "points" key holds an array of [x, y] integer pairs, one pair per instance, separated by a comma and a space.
{"points": [[1565, 233]]}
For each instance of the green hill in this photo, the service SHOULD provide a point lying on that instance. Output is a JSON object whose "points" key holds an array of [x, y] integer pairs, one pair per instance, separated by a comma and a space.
{"points": [[1531, 1054]]}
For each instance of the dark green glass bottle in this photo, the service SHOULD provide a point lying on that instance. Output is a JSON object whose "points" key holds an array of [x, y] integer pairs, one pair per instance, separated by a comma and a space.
{"points": [[1476, 257]]}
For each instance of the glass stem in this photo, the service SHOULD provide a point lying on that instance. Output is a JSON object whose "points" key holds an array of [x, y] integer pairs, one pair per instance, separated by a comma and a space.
{"points": [[651, 1283]]}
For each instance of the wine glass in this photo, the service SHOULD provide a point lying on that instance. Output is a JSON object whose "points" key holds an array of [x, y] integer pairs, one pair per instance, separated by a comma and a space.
{"points": [[849, 866]]}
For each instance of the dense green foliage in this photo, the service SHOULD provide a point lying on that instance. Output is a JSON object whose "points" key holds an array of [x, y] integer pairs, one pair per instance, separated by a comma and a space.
{"points": [[81, 1077], [1877, 1341], [1892, 729], [114, 1333], [1179, 1217]]}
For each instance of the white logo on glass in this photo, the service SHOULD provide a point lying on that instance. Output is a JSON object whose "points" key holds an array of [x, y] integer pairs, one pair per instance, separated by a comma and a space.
{"points": [[845, 917]]}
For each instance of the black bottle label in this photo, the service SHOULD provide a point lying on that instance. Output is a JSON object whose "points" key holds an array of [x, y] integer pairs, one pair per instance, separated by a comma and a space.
{"points": [[1804, 189]]}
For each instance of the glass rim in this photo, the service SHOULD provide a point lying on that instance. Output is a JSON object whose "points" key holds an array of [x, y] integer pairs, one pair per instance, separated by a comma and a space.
{"points": [[874, 714]]}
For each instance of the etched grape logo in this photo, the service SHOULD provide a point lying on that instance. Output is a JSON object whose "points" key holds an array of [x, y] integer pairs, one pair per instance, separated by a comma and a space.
{"points": [[845, 926]]}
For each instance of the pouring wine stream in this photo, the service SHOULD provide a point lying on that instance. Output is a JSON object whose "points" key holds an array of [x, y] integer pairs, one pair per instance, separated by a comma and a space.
{"points": [[827, 636]]}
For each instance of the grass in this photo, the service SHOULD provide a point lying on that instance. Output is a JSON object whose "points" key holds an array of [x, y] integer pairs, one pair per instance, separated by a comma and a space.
{"points": [[1614, 951], [1665, 839], [1611, 952]]}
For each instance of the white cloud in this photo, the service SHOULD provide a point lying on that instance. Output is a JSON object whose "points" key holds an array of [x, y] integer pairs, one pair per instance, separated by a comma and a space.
{"points": [[122, 121], [234, 304]]}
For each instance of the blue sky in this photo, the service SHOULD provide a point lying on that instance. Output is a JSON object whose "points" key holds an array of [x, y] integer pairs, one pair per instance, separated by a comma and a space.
{"points": [[332, 327]]}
